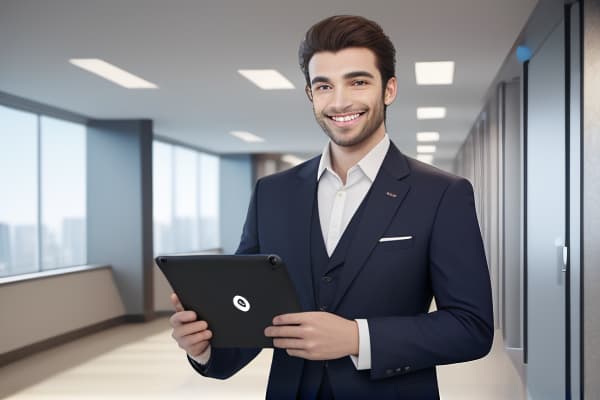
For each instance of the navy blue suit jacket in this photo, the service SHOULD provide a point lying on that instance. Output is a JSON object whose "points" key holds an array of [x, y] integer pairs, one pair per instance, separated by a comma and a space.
{"points": [[391, 284]]}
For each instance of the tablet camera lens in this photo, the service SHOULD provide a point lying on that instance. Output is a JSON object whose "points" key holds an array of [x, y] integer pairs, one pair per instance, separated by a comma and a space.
{"points": [[274, 260]]}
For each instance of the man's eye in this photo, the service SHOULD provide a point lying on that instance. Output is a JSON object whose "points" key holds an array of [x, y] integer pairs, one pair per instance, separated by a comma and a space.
{"points": [[322, 87], [360, 83]]}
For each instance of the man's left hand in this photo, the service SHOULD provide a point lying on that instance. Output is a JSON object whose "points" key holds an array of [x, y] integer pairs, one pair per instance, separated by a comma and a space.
{"points": [[314, 335]]}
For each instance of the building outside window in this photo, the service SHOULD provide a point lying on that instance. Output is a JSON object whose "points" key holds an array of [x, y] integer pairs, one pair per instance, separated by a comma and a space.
{"points": [[43, 201], [186, 199]]}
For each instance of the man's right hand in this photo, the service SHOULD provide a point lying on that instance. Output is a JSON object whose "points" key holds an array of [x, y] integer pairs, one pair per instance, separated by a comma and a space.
{"points": [[191, 335]]}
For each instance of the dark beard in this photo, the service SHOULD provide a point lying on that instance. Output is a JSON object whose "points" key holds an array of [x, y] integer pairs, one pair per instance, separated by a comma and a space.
{"points": [[376, 119]]}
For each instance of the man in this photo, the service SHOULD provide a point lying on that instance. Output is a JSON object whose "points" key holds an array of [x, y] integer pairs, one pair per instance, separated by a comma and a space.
{"points": [[369, 236]]}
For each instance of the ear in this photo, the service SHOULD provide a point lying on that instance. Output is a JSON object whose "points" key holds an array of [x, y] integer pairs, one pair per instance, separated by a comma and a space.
{"points": [[308, 92], [391, 89]]}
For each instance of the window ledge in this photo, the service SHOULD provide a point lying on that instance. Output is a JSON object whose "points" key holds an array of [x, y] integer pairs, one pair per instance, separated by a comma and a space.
{"points": [[49, 273]]}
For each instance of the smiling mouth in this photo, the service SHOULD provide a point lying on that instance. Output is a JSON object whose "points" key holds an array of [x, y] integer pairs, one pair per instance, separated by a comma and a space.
{"points": [[348, 117]]}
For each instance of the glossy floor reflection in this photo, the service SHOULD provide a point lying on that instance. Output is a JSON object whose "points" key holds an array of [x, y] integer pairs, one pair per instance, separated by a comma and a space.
{"points": [[142, 361]]}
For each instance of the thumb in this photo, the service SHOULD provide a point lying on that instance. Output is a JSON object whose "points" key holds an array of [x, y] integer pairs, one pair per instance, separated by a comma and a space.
{"points": [[176, 302]]}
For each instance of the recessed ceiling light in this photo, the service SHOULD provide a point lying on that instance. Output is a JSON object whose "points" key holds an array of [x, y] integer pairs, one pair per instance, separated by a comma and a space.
{"points": [[292, 159], [427, 158], [267, 79], [428, 136], [431, 112], [434, 73], [112, 73], [426, 149], [247, 136]]}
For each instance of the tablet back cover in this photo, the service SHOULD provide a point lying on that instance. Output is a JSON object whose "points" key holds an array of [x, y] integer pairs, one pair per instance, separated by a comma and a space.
{"points": [[238, 295]]}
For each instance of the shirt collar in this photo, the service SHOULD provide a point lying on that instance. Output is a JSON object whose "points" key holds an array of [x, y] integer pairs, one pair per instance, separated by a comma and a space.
{"points": [[369, 164]]}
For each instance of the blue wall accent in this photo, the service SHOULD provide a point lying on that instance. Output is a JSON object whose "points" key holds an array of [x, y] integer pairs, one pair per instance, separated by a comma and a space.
{"points": [[119, 207]]}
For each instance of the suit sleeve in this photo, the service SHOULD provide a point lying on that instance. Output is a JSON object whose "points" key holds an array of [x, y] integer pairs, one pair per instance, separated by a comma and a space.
{"points": [[462, 328], [225, 362]]}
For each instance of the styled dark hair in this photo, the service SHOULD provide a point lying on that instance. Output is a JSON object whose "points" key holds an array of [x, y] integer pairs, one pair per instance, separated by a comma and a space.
{"points": [[343, 31]]}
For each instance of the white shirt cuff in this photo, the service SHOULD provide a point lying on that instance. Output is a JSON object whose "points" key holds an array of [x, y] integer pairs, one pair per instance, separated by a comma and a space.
{"points": [[203, 358], [363, 361]]}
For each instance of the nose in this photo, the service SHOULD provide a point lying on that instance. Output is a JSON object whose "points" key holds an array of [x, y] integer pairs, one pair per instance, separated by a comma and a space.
{"points": [[342, 102]]}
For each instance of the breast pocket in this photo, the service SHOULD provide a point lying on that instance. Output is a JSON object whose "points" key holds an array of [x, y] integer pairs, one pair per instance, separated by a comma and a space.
{"points": [[396, 242]]}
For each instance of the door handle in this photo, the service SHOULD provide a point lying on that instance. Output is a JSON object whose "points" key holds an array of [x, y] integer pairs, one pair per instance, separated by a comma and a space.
{"points": [[565, 257]]}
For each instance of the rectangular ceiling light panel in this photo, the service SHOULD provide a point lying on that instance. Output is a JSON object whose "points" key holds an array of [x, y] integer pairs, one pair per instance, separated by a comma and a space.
{"points": [[266, 79], [431, 112], [434, 73], [112, 73], [428, 136], [426, 149], [247, 136]]}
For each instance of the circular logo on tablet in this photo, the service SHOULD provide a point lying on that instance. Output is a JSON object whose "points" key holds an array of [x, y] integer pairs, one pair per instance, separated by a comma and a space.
{"points": [[241, 303]]}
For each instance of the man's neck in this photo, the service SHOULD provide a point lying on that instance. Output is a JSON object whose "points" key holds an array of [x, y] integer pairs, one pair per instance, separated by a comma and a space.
{"points": [[343, 158]]}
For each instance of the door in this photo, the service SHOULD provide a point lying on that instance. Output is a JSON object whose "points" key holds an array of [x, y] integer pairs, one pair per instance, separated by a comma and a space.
{"points": [[545, 213]]}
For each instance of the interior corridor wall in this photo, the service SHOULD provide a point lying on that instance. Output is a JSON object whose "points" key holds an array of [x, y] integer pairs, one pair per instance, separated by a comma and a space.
{"points": [[515, 96], [590, 273], [490, 159], [477, 160]]}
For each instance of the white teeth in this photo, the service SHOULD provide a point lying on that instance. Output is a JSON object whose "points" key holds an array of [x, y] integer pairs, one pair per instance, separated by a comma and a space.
{"points": [[346, 118]]}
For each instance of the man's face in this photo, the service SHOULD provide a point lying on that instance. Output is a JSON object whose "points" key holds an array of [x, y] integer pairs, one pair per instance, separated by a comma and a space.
{"points": [[347, 94]]}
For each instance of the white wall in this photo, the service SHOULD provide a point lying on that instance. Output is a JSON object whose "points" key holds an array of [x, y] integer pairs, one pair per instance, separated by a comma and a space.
{"points": [[39, 309]]}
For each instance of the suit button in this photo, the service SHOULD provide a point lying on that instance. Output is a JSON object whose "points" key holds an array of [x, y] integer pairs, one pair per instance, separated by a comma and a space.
{"points": [[398, 369], [389, 371], [327, 279], [323, 308], [406, 369]]}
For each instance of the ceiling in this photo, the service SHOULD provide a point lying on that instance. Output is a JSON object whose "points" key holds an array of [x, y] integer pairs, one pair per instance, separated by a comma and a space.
{"points": [[192, 50]]}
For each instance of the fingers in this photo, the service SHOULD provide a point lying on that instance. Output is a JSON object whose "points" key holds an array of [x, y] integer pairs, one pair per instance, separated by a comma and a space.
{"points": [[182, 317], [189, 329], [176, 302], [291, 319], [286, 331], [290, 344], [195, 344], [191, 335], [189, 341]]}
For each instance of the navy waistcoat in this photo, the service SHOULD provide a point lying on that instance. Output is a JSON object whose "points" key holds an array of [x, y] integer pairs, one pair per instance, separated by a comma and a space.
{"points": [[326, 272]]}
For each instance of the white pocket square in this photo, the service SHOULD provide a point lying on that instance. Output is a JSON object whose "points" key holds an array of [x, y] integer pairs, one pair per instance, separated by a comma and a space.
{"points": [[394, 238]]}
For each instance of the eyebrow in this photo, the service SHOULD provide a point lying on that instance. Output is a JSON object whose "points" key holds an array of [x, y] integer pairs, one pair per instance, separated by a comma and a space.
{"points": [[349, 75]]}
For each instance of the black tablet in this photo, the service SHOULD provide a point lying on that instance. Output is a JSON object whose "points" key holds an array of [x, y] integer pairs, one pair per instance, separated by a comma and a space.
{"points": [[238, 295]]}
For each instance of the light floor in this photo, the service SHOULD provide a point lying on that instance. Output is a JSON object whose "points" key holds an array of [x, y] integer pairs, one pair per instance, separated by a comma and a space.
{"points": [[141, 361]]}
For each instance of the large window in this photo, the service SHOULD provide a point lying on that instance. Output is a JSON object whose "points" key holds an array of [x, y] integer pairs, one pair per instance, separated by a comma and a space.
{"points": [[19, 198], [63, 193], [42, 206], [186, 199]]}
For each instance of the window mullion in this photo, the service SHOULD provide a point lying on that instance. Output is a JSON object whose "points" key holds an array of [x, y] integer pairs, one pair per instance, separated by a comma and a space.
{"points": [[39, 193]]}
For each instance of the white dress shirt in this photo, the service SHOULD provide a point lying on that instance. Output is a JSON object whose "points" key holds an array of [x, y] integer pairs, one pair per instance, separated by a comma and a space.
{"points": [[337, 205]]}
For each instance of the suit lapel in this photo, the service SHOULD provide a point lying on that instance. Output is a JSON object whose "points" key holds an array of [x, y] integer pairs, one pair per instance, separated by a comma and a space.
{"points": [[385, 196], [301, 206]]}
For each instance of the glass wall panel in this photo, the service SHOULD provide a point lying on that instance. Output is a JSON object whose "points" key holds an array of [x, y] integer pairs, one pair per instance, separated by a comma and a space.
{"points": [[19, 199], [208, 171], [162, 183], [186, 199], [185, 193], [63, 200]]}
